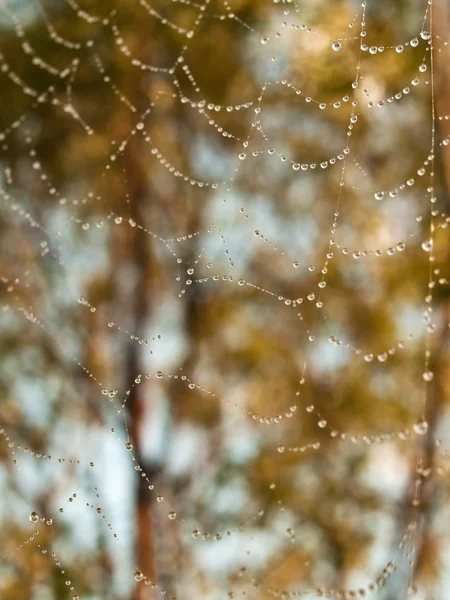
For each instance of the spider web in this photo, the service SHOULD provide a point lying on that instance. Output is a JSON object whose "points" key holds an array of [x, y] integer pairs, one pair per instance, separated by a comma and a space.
{"points": [[224, 264]]}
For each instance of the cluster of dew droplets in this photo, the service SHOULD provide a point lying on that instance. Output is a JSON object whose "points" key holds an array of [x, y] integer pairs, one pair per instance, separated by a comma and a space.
{"points": [[421, 427]]}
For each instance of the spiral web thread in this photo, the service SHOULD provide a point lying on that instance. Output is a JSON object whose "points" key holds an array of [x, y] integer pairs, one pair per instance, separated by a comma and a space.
{"points": [[247, 151]]}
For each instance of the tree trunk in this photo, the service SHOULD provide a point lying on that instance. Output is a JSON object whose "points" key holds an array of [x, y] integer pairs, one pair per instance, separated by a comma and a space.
{"points": [[140, 256]]}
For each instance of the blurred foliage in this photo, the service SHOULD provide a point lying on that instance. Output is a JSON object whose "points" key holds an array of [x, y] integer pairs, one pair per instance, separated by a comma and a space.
{"points": [[122, 209]]}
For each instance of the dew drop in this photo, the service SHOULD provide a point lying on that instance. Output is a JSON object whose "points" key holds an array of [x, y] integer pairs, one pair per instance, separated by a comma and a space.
{"points": [[421, 427], [34, 517], [428, 376], [336, 46]]}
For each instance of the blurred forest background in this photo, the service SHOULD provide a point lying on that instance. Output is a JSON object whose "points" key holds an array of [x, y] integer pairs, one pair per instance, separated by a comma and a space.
{"points": [[186, 409]]}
